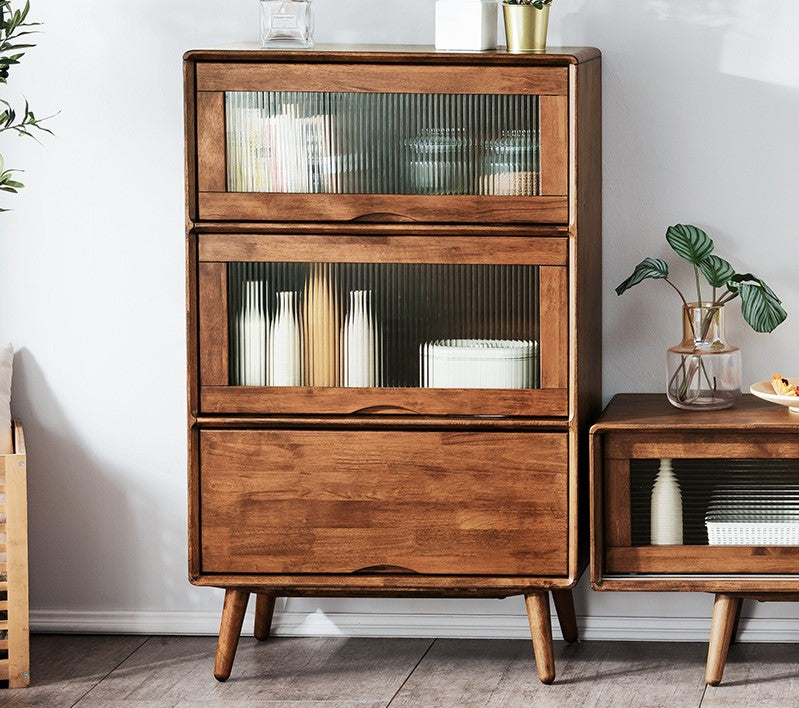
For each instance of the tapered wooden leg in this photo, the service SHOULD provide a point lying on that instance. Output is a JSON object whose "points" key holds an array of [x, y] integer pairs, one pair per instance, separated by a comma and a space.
{"points": [[725, 608], [541, 630], [567, 619], [264, 609], [229, 632], [734, 635]]}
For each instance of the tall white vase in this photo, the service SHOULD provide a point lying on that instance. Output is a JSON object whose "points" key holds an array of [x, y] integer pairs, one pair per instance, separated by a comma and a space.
{"points": [[361, 342], [252, 327], [666, 510], [285, 353]]}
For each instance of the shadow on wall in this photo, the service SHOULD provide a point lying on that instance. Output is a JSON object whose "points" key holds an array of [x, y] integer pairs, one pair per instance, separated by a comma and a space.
{"points": [[93, 539], [700, 105]]}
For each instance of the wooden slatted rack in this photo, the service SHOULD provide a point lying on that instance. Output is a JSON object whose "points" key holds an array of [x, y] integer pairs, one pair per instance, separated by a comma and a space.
{"points": [[14, 625]]}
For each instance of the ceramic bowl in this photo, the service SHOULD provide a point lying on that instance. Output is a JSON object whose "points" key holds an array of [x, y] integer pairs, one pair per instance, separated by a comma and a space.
{"points": [[763, 389]]}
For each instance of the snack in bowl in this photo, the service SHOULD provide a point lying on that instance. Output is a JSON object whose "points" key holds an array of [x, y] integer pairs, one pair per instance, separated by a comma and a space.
{"points": [[782, 386]]}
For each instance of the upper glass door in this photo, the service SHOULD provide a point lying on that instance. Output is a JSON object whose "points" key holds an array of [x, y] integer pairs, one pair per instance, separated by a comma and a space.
{"points": [[468, 144]]}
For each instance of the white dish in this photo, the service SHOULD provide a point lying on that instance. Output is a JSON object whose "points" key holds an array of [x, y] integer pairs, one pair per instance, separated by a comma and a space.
{"points": [[763, 389]]}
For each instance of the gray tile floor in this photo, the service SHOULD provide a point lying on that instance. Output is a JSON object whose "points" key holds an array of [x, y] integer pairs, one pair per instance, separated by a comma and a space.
{"points": [[84, 671]]}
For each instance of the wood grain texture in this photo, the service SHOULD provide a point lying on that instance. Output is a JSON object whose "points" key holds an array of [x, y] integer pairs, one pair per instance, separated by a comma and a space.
{"points": [[398, 401], [383, 499], [190, 139], [15, 488], [567, 619], [702, 559], [213, 308], [555, 147], [745, 443], [381, 78], [211, 142], [725, 609], [296, 248], [229, 632], [392, 54], [554, 328], [541, 631], [652, 411], [371, 228], [617, 504], [456, 209], [264, 611]]}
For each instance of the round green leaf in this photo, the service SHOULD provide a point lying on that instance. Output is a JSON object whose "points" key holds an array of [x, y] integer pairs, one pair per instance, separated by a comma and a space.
{"points": [[647, 268], [689, 242], [760, 307], [716, 270]]}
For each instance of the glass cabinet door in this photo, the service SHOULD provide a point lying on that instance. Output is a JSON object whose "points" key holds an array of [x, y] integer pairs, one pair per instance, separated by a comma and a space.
{"points": [[386, 143], [405, 324]]}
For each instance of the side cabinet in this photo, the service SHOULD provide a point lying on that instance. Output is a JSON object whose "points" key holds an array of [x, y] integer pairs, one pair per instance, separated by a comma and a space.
{"points": [[394, 314]]}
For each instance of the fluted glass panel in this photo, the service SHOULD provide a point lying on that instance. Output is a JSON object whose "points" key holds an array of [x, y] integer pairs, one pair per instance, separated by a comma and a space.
{"points": [[739, 501], [383, 325], [373, 143]]}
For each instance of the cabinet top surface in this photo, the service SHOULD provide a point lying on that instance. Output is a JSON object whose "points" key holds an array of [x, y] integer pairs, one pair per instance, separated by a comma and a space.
{"points": [[650, 412], [390, 53]]}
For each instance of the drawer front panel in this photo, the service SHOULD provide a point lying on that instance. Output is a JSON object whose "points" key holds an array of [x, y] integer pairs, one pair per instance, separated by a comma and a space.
{"points": [[295, 501]]}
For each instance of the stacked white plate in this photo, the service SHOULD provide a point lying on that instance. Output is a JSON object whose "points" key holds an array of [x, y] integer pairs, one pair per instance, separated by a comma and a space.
{"points": [[479, 363], [754, 516]]}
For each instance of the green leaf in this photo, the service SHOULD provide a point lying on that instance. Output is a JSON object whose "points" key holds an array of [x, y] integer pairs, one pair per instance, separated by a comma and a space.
{"points": [[716, 270], [647, 268], [760, 307], [689, 242]]}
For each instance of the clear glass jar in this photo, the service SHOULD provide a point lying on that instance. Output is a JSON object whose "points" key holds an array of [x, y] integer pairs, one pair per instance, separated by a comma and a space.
{"points": [[286, 23], [512, 164], [704, 371], [439, 161]]}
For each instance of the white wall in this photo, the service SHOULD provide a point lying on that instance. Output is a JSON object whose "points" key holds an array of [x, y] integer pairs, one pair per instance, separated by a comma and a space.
{"points": [[701, 106]]}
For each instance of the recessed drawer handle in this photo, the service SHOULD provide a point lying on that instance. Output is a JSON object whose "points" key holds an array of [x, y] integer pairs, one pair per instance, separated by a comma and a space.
{"points": [[393, 569], [384, 216], [384, 409]]}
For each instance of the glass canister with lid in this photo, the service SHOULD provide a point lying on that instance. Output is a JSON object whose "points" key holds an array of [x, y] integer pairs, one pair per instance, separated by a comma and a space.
{"points": [[438, 161], [512, 164]]}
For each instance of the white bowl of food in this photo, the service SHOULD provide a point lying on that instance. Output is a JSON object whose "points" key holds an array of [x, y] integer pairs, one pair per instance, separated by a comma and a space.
{"points": [[780, 390]]}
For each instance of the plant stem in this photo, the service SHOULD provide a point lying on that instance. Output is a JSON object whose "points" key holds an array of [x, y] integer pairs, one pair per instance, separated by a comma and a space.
{"points": [[682, 297], [698, 288]]}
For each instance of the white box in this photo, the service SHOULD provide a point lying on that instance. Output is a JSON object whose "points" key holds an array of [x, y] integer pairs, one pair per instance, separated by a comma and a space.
{"points": [[466, 24]]}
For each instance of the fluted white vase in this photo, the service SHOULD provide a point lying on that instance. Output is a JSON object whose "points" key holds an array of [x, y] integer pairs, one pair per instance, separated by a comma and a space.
{"points": [[360, 342], [285, 353], [252, 328], [666, 508]]}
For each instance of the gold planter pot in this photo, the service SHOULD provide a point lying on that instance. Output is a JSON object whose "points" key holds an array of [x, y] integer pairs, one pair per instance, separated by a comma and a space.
{"points": [[526, 28]]}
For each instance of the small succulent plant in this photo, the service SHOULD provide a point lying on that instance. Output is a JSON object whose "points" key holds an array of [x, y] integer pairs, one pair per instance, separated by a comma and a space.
{"points": [[539, 4]]}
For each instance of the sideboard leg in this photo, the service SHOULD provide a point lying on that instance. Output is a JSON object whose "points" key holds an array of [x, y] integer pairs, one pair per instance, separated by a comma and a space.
{"points": [[725, 608], [734, 634], [264, 609], [564, 607], [541, 629], [229, 632]]}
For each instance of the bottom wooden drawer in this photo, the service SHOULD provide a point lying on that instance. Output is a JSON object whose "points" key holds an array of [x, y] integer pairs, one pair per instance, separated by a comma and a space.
{"points": [[301, 501]]}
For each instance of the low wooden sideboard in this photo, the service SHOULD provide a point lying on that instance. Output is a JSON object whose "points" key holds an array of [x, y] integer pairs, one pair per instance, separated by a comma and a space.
{"points": [[750, 449]]}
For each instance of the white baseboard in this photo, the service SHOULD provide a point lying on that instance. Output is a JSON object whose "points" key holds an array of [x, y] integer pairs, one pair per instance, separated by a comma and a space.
{"points": [[459, 626]]}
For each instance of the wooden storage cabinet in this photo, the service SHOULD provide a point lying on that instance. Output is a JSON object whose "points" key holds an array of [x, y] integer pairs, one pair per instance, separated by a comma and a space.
{"points": [[343, 501], [456, 200]]}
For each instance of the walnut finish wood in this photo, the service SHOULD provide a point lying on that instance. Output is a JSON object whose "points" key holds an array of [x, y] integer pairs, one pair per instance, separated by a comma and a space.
{"points": [[264, 611], [211, 142], [702, 559], [725, 609], [381, 78], [618, 525], [399, 401], [383, 499], [541, 630], [213, 324], [567, 618], [466, 208], [313, 248], [559, 231], [229, 632], [392, 54]]}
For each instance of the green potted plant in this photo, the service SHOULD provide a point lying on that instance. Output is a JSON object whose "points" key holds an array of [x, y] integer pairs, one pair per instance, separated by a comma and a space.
{"points": [[526, 23], [704, 370], [14, 26]]}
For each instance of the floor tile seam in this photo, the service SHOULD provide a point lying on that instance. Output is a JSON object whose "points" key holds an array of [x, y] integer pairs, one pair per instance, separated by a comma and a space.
{"points": [[702, 698], [411, 672], [114, 668]]}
